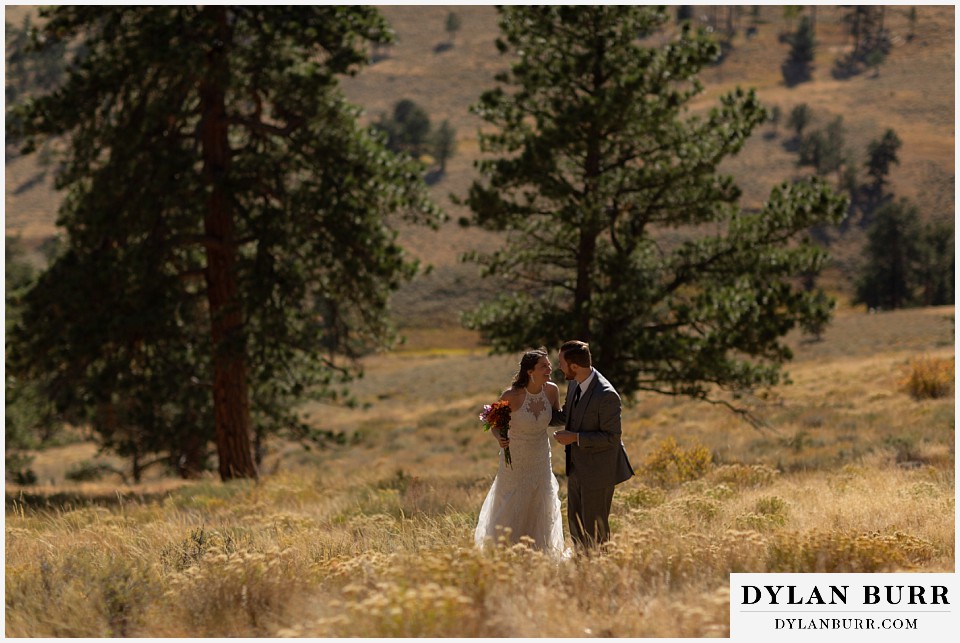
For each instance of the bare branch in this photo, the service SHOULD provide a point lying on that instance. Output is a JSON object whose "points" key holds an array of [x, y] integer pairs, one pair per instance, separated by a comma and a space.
{"points": [[265, 128]]}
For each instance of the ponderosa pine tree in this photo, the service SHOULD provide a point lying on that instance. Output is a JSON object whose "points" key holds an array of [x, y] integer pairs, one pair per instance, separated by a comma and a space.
{"points": [[881, 155], [619, 229], [937, 264], [892, 254], [407, 130], [798, 67], [228, 223], [444, 143]]}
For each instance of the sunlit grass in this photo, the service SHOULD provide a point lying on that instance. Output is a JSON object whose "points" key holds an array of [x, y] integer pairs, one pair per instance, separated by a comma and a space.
{"points": [[375, 539], [294, 556]]}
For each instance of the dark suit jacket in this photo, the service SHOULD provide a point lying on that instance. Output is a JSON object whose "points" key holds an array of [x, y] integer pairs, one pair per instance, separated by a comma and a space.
{"points": [[599, 460]]}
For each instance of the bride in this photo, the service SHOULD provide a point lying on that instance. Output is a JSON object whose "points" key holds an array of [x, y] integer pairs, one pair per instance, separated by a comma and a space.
{"points": [[523, 500]]}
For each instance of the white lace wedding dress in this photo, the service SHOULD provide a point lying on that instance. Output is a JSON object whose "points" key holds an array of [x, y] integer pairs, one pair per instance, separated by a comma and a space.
{"points": [[524, 498]]}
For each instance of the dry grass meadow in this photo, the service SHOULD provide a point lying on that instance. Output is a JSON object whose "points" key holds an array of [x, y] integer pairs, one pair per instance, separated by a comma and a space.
{"points": [[375, 538]]}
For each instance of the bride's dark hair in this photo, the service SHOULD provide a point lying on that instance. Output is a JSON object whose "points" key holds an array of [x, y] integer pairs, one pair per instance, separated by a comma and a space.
{"points": [[527, 362]]}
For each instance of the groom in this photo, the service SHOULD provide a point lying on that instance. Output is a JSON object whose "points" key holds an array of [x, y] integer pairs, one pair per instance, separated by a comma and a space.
{"points": [[596, 461]]}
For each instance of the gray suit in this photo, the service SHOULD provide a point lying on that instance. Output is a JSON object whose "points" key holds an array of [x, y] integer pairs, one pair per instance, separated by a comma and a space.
{"points": [[598, 463]]}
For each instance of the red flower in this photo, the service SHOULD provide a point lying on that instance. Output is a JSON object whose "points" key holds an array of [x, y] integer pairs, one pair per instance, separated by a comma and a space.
{"points": [[498, 415]]}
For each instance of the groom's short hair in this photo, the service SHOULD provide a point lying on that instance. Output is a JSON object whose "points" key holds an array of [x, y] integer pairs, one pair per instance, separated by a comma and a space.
{"points": [[577, 352]]}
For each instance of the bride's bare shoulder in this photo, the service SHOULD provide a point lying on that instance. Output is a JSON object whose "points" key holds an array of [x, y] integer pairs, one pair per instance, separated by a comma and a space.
{"points": [[553, 391], [512, 395]]}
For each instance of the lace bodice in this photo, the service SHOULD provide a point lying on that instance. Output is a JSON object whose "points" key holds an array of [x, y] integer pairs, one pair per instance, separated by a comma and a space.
{"points": [[531, 420]]}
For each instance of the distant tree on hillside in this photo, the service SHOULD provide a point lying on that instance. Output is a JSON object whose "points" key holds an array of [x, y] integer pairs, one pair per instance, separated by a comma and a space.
{"points": [[811, 148], [790, 14], [32, 64], [817, 323], [776, 114], [824, 150], [30, 69], [444, 144], [892, 252], [881, 155], [407, 128], [226, 246], [800, 116], [937, 264], [873, 59], [798, 67], [452, 25], [849, 178], [871, 41], [621, 230], [866, 23]]}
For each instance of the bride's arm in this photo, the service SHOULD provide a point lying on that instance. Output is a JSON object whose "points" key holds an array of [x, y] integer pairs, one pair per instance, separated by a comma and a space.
{"points": [[510, 396], [558, 417]]}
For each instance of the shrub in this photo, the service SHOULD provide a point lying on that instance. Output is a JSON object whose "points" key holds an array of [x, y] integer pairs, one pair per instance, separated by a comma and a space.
{"points": [[843, 552], [84, 472], [398, 609], [769, 505], [643, 497], [744, 475], [720, 492], [127, 589], [670, 464], [928, 378], [921, 489], [758, 522], [662, 559], [699, 508], [18, 469], [79, 592], [236, 593], [188, 552], [768, 512]]}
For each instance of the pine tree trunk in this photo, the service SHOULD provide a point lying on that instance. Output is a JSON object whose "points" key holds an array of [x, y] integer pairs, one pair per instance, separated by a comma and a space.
{"points": [[137, 467], [587, 247], [230, 394]]}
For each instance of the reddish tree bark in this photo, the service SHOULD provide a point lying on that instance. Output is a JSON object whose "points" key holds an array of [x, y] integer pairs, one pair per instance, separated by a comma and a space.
{"points": [[230, 391]]}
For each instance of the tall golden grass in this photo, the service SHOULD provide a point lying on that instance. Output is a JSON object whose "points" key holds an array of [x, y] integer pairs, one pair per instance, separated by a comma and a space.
{"points": [[298, 555], [376, 539]]}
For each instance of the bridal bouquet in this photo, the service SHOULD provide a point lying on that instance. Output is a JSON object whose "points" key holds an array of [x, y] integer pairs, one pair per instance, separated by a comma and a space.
{"points": [[497, 415]]}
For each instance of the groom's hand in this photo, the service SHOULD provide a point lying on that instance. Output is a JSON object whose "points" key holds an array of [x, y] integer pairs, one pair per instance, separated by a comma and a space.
{"points": [[565, 437]]}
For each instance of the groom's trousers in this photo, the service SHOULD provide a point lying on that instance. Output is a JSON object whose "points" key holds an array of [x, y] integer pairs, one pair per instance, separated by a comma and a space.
{"points": [[588, 512]]}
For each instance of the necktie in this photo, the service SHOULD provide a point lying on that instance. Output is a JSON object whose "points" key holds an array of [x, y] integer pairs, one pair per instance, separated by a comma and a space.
{"points": [[576, 395]]}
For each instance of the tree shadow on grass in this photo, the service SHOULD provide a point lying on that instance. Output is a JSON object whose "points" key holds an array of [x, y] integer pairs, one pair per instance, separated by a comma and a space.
{"points": [[30, 183], [433, 176], [67, 500]]}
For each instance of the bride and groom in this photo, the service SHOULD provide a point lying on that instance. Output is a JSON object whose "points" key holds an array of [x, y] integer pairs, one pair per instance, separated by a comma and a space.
{"points": [[523, 500]]}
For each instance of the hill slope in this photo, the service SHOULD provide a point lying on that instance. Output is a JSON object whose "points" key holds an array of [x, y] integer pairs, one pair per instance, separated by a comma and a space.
{"points": [[913, 93]]}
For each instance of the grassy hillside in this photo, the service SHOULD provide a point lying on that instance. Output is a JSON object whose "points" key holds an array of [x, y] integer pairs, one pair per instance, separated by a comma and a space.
{"points": [[375, 539], [913, 94]]}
